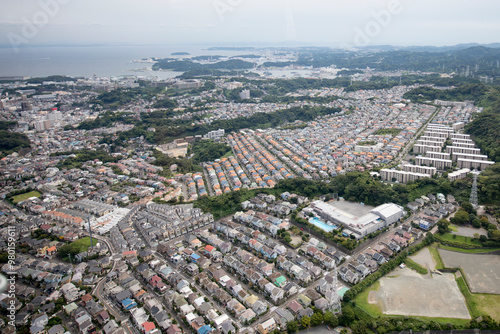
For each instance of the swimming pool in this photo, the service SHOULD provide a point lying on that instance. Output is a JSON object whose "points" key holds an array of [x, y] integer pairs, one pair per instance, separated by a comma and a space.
{"points": [[322, 225]]}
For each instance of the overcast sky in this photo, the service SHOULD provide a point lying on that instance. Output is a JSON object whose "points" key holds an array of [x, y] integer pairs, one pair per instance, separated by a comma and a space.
{"points": [[245, 22]]}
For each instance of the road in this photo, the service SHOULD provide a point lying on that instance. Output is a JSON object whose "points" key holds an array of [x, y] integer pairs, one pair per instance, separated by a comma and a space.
{"points": [[208, 182], [98, 292]]}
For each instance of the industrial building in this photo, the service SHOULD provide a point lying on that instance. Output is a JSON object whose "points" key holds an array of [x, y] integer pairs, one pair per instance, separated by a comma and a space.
{"points": [[379, 217]]}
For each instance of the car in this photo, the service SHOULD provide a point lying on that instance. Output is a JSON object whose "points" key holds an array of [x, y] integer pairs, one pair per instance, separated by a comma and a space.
{"points": [[302, 229]]}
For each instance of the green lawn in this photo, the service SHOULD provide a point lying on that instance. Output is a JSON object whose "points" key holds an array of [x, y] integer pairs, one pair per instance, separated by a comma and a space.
{"points": [[480, 303], [488, 304], [228, 154], [454, 228], [469, 298], [415, 266], [437, 258], [75, 248], [471, 242], [23, 197], [362, 301], [470, 251]]}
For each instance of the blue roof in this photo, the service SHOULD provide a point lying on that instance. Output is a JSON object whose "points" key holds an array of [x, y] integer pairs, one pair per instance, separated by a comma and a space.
{"points": [[204, 329], [128, 303], [195, 256]]}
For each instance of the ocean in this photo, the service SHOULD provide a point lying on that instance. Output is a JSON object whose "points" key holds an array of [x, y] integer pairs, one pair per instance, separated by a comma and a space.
{"points": [[87, 61]]}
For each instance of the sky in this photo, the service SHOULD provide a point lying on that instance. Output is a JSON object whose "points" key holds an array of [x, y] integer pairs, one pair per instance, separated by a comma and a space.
{"points": [[334, 23]]}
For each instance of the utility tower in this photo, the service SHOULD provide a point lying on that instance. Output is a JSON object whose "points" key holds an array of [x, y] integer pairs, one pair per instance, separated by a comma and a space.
{"points": [[473, 193]]}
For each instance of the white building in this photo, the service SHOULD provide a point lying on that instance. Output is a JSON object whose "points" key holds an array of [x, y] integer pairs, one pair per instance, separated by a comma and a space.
{"points": [[379, 217]]}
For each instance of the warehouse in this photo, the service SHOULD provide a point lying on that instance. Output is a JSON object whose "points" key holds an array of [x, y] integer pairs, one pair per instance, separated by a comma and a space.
{"points": [[378, 218]]}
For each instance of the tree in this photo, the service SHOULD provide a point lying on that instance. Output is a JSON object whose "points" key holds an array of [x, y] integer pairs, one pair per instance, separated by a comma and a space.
{"points": [[460, 218], [292, 327], [316, 319], [468, 207], [443, 226], [347, 316], [494, 235], [330, 319], [54, 321], [305, 321]]}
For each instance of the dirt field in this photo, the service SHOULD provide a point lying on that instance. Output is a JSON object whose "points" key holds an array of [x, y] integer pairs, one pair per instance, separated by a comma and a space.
{"points": [[481, 270], [410, 293], [424, 258]]}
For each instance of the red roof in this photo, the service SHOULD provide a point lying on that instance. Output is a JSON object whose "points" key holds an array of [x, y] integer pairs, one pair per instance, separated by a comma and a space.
{"points": [[129, 253], [209, 248], [155, 279], [148, 326]]}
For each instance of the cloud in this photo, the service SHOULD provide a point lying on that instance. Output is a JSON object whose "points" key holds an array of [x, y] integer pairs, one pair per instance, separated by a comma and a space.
{"points": [[325, 22]]}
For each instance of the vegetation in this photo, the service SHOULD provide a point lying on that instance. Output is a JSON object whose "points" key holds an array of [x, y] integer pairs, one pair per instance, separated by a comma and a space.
{"points": [[367, 143], [368, 318], [12, 141], [459, 241], [207, 150], [387, 131], [168, 130], [415, 266], [471, 92], [387, 267], [489, 183], [361, 300], [471, 303], [82, 156], [6, 125], [187, 65], [22, 197], [54, 78], [184, 165], [484, 128], [469, 250], [73, 248], [106, 119], [437, 257]]}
